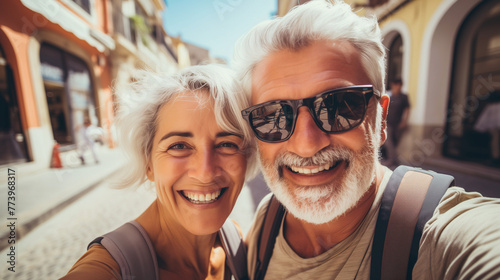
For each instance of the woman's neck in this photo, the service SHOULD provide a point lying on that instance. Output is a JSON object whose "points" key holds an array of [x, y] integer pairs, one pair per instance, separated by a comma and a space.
{"points": [[178, 250]]}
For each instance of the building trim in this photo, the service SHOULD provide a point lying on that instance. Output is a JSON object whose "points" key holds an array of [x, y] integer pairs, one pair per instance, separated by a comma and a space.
{"points": [[438, 44], [389, 32], [58, 14], [92, 17]]}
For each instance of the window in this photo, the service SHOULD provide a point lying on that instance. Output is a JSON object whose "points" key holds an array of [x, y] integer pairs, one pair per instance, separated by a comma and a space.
{"points": [[475, 87], [395, 60], [84, 4], [13, 144], [375, 3], [69, 93]]}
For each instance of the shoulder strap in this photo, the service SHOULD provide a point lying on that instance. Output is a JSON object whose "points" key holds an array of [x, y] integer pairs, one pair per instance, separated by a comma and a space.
{"points": [[131, 248], [267, 238], [235, 250], [407, 204]]}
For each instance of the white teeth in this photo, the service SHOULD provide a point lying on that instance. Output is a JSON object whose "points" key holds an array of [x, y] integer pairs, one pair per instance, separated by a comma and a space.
{"points": [[301, 170], [202, 198]]}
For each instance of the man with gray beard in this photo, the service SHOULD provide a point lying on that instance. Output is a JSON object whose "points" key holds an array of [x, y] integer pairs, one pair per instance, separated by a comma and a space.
{"points": [[315, 79]]}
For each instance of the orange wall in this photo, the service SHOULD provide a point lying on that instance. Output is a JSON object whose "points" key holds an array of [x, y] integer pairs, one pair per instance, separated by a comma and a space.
{"points": [[17, 25]]}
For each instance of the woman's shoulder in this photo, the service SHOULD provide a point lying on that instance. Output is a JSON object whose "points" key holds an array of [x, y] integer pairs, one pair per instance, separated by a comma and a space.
{"points": [[97, 264]]}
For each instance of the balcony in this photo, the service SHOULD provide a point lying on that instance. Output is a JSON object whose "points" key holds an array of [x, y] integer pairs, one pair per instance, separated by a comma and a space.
{"points": [[137, 36], [124, 26]]}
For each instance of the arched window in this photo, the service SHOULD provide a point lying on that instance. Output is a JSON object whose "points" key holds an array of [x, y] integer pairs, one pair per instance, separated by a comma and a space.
{"points": [[395, 60], [473, 127], [13, 147], [68, 88]]}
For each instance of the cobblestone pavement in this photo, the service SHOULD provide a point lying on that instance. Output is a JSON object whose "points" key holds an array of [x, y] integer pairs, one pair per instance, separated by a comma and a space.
{"points": [[49, 251]]}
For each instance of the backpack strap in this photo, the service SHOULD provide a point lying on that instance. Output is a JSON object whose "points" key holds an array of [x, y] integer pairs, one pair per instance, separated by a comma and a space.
{"points": [[267, 238], [235, 250], [407, 204], [132, 249]]}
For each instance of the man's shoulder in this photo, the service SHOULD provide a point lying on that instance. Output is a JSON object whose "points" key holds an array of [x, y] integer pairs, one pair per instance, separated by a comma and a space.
{"points": [[461, 238], [252, 236], [264, 203], [260, 214], [457, 201]]}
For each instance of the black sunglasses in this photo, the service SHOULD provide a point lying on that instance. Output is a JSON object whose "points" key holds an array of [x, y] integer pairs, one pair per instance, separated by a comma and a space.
{"points": [[334, 111]]}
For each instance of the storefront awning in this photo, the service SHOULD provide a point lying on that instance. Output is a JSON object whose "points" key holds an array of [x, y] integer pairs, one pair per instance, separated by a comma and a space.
{"points": [[60, 15]]}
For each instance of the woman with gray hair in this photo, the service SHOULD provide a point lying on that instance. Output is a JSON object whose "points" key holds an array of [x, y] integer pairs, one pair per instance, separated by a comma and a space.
{"points": [[185, 134]]}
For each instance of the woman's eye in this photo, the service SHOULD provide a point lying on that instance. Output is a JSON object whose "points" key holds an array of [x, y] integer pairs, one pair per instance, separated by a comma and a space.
{"points": [[228, 148], [179, 150], [178, 146]]}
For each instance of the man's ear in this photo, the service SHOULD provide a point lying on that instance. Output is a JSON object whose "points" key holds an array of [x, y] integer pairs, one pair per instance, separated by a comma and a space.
{"points": [[384, 101], [150, 173]]}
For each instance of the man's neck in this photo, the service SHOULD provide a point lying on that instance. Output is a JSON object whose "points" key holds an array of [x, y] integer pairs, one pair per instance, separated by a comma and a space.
{"points": [[310, 240]]}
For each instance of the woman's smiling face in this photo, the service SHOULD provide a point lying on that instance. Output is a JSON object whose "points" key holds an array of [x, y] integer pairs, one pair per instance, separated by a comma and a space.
{"points": [[197, 167]]}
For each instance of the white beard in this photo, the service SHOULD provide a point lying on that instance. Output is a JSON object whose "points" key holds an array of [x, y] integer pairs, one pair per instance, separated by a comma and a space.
{"points": [[323, 203]]}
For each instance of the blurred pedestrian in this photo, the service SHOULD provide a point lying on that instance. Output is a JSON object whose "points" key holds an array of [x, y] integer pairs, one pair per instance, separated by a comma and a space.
{"points": [[397, 120], [86, 141]]}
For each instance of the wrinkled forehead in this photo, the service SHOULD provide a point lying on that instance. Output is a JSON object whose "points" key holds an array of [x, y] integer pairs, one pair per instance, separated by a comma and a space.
{"points": [[296, 74]]}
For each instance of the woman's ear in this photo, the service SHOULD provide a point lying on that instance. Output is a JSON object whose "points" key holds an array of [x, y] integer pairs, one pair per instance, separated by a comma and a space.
{"points": [[150, 173], [384, 102]]}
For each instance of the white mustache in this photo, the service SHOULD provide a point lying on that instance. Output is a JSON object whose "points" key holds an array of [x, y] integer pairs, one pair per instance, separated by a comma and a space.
{"points": [[326, 156]]}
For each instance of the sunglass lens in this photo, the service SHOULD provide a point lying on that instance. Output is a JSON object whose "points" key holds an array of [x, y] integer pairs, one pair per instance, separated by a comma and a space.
{"points": [[341, 111], [272, 122]]}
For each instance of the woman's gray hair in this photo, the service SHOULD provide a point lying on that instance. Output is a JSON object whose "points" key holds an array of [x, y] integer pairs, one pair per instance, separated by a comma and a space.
{"points": [[316, 20], [140, 103]]}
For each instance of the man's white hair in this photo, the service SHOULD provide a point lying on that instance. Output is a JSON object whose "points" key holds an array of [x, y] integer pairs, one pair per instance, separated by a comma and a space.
{"points": [[313, 21]]}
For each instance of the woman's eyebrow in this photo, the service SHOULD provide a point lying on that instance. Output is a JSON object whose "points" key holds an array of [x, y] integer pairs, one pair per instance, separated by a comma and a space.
{"points": [[176, 133], [225, 134]]}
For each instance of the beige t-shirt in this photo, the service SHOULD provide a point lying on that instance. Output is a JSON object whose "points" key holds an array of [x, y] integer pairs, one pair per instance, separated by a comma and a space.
{"points": [[462, 221]]}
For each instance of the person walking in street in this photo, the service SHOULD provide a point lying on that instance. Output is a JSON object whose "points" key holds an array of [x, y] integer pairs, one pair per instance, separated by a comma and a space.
{"points": [[86, 142], [185, 134], [320, 69], [397, 120]]}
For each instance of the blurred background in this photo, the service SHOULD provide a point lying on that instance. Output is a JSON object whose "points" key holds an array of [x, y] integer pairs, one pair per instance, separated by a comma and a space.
{"points": [[63, 63]]}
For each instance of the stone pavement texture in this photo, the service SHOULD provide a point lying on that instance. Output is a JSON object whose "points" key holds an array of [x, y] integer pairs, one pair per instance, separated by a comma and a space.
{"points": [[40, 195], [49, 251]]}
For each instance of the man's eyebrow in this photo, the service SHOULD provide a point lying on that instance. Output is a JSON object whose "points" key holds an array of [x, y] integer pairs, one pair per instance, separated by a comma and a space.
{"points": [[225, 134], [176, 133]]}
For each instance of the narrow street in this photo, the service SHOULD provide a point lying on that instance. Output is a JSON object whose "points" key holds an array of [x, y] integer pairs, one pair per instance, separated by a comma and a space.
{"points": [[52, 248]]}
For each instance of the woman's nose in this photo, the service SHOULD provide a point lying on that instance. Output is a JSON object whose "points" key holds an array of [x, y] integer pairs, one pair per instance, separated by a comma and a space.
{"points": [[204, 167]]}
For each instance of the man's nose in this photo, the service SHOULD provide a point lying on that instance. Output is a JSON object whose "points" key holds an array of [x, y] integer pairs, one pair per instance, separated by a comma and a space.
{"points": [[307, 138]]}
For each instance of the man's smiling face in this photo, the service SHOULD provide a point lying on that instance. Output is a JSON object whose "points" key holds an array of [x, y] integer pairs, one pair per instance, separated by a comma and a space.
{"points": [[317, 176]]}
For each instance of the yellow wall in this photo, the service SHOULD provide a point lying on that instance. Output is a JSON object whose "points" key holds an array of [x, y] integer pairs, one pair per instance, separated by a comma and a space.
{"points": [[416, 14]]}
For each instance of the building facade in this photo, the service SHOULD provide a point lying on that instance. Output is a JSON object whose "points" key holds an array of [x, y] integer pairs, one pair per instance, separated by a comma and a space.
{"points": [[447, 53], [60, 60]]}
